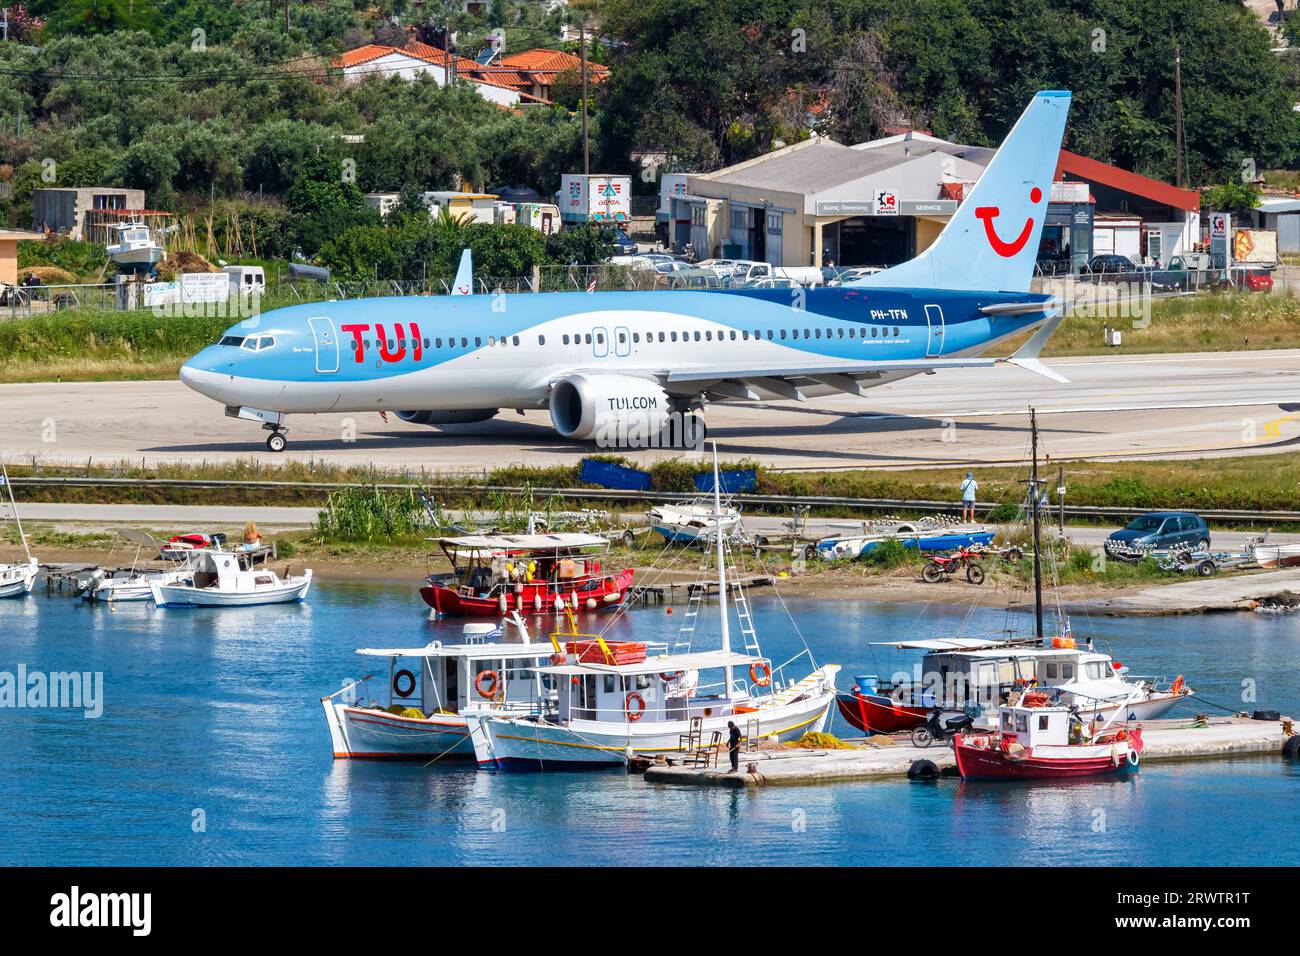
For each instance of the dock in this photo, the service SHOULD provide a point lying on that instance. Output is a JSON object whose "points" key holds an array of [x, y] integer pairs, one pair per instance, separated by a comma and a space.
{"points": [[1164, 740]]}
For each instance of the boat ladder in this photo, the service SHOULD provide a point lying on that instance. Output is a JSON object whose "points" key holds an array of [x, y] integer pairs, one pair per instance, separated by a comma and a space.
{"points": [[691, 616]]}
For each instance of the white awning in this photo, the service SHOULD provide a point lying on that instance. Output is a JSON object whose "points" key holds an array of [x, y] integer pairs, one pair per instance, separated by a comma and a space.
{"points": [[523, 542], [474, 652], [946, 644], [664, 663]]}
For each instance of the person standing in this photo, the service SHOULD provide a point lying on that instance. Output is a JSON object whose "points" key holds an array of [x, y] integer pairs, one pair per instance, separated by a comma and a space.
{"points": [[733, 745], [969, 487]]}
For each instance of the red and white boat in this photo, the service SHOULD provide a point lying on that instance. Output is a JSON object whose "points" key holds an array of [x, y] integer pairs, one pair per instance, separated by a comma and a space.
{"points": [[975, 675], [1040, 739], [497, 575]]}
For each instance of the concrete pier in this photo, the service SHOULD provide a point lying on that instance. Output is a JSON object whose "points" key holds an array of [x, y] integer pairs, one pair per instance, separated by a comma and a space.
{"points": [[1223, 592], [1163, 740]]}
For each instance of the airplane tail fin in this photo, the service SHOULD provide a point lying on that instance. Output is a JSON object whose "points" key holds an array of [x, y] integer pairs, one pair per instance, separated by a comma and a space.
{"points": [[991, 242], [464, 283]]}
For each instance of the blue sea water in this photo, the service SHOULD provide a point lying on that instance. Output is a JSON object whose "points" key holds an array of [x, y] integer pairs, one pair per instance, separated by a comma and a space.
{"points": [[214, 716]]}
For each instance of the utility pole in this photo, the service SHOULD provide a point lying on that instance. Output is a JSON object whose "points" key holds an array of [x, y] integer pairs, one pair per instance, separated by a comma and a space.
{"points": [[1178, 115], [586, 152], [1033, 505], [286, 16]]}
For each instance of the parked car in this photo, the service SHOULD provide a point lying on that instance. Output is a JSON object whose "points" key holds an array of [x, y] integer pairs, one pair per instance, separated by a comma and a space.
{"points": [[622, 244], [1187, 273], [1251, 279], [1111, 264], [1160, 529]]}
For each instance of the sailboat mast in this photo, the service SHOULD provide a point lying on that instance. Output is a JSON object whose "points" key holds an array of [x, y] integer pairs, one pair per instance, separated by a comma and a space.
{"points": [[1033, 498], [4, 472], [722, 565]]}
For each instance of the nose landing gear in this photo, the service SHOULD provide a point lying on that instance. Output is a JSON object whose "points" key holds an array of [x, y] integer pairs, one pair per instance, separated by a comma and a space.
{"points": [[276, 440]]}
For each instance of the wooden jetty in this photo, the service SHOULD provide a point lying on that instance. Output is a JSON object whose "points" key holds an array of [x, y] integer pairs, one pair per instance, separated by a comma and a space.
{"points": [[893, 756]]}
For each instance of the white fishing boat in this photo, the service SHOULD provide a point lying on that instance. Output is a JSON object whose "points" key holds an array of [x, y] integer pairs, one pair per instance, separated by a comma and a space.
{"points": [[218, 581], [691, 523], [1269, 555], [431, 691], [17, 578], [133, 246], [620, 699], [132, 583]]}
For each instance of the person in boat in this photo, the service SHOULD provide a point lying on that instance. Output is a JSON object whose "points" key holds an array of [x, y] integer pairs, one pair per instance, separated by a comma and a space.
{"points": [[252, 537], [969, 487], [733, 745]]}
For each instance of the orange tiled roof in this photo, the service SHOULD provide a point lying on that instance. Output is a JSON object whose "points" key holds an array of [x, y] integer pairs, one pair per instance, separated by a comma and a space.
{"points": [[553, 62], [363, 54]]}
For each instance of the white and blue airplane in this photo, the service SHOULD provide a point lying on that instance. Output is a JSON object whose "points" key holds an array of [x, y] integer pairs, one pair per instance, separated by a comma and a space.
{"points": [[606, 363]]}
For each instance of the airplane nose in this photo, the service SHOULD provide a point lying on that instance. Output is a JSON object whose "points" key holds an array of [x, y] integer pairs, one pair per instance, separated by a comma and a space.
{"points": [[201, 380]]}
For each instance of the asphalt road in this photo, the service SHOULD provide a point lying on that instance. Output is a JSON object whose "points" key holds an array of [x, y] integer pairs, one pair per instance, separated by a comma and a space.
{"points": [[74, 517], [1116, 406]]}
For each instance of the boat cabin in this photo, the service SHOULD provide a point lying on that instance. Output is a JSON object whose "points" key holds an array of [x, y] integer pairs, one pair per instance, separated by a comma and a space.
{"points": [[223, 571], [489, 670], [485, 565], [1038, 726], [649, 689], [976, 676]]}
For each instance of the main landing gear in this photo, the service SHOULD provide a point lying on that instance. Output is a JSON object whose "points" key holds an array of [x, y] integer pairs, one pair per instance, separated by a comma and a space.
{"points": [[276, 440]]}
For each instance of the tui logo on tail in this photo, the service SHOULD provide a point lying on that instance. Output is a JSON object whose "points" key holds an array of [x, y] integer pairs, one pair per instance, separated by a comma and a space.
{"points": [[1003, 248]]}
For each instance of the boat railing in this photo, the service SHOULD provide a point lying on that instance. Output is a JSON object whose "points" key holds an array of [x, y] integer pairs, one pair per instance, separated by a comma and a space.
{"points": [[778, 674], [347, 687]]}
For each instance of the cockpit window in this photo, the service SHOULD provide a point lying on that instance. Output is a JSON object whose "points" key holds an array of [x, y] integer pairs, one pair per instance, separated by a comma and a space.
{"points": [[250, 343]]}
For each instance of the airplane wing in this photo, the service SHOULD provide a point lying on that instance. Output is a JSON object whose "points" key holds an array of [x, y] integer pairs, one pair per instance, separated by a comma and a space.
{"points": [[846, 376]]}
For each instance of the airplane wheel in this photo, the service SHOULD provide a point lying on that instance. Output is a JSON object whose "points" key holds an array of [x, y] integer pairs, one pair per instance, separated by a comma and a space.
{"points": [[276, 442]]}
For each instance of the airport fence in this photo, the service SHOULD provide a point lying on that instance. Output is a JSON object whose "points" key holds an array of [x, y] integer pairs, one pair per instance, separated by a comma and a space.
{"points": [[24, 301], [431, 485]]}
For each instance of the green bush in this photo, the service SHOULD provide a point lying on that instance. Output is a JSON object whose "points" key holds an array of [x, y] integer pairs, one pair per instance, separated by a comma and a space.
{"points": [[370, 516]]}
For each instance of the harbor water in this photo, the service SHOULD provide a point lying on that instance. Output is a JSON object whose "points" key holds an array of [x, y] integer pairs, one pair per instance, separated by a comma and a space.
{"points": [[212, 749]]}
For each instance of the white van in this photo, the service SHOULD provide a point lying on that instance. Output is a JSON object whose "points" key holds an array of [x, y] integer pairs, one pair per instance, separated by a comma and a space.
{"points": [[246, 279]]}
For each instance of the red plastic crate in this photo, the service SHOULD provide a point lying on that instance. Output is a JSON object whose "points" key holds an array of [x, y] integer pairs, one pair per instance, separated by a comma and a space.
{"points": [[624, 652]]}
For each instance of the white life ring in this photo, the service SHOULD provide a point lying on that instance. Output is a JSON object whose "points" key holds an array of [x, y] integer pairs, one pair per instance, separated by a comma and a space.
{"points": [[1133, 758]]}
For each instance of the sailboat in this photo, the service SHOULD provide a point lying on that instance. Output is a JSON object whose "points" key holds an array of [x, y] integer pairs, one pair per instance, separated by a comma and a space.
{"points": [[618, 699], [16, 579]]}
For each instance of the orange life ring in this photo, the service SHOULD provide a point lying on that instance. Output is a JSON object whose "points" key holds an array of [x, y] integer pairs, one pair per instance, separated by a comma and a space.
{"points": [[1177, 687], [491, 690], [669, 678], [755, 669], [631, 698], [397, 680]]}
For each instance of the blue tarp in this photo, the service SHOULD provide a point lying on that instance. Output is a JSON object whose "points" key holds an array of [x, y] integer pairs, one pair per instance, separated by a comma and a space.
{"points": [[733, 482], [607, 475]]}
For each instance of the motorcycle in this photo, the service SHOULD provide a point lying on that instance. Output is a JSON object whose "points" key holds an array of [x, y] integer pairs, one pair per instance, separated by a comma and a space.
{"points": [[935, 728], [943, 567]]}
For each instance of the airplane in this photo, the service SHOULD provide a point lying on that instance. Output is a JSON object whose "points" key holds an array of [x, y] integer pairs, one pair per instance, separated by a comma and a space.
{"points": [[622, 368]]}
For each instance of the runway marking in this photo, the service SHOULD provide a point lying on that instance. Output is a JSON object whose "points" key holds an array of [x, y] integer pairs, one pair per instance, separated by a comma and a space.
{"points": [[995, 413], [1272, 428]]}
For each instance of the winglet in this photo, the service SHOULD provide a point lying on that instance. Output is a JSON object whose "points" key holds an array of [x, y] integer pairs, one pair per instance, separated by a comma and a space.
{"points": [[464, 284], [1026, 356]]}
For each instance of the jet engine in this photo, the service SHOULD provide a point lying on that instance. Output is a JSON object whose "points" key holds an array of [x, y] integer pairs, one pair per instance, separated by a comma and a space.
{"points": [[620, 411], [455, 416]]}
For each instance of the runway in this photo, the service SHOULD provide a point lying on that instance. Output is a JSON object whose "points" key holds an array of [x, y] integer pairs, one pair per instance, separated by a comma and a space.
{"points": [[1115, 406]]}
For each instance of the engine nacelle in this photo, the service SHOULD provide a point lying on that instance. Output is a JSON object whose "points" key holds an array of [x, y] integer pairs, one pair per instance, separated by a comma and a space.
{"points": [[617, 410], [455, 416]]}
